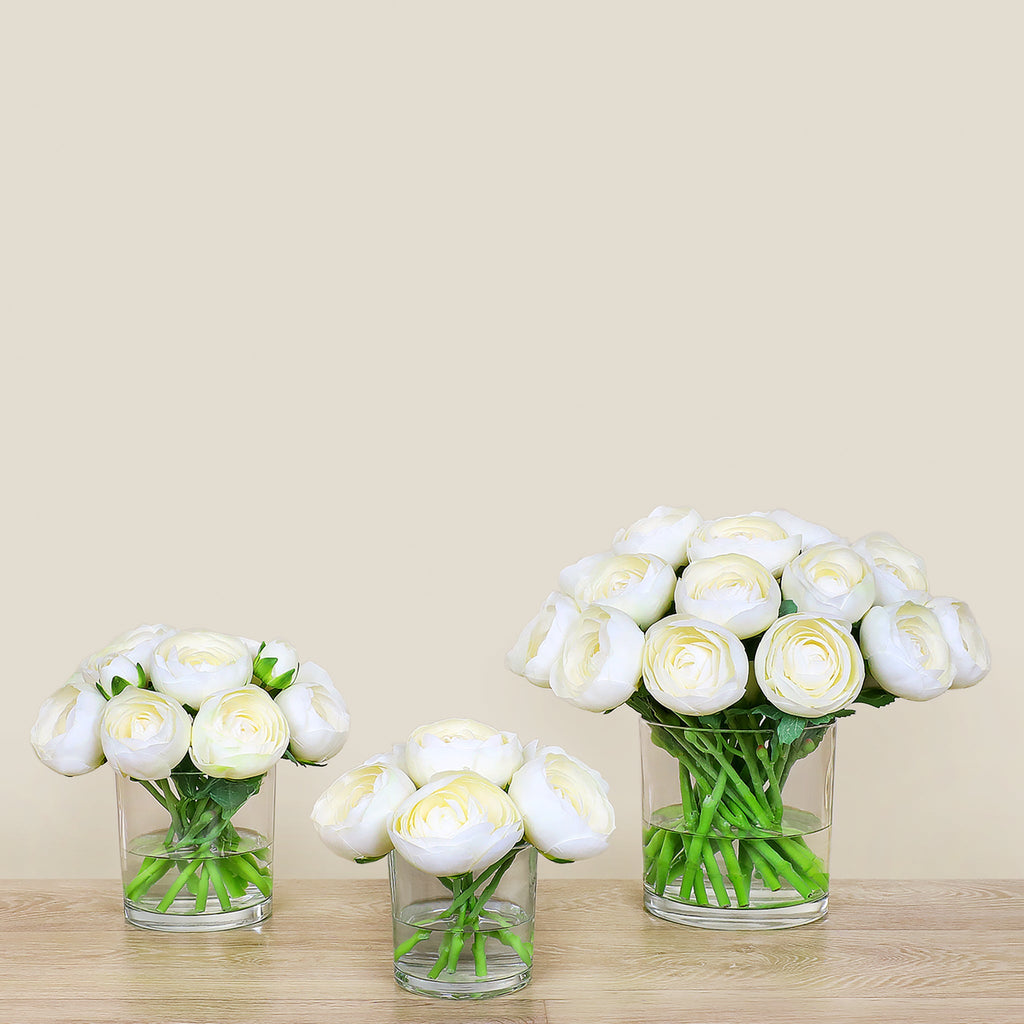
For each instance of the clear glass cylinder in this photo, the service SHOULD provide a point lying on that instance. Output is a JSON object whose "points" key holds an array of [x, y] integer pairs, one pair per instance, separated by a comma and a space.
{"points": [[736, 825], [467, 936], [197, 854]]}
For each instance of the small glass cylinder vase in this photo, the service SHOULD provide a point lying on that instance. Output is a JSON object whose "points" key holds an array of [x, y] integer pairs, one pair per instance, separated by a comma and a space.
{"points": [[466, 936], [736, 825], [196, 852]]}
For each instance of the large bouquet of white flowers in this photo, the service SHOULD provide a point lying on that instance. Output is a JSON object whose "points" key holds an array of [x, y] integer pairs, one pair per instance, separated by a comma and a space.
{"points": [[762, 623]]}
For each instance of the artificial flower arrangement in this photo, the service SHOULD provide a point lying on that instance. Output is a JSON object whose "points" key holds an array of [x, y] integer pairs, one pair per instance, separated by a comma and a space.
{"points": [[738, 640], [459, 804], [196, 720]]}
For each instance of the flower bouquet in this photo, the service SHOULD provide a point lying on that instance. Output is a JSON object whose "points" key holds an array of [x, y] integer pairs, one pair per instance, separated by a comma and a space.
{"points": [[193, 724], [740, 641], [461, 810]]}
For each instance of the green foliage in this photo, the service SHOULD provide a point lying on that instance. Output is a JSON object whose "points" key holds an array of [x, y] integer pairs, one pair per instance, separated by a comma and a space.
{"points": [[875, 698], [787, 608], [103, 693], [119, 685], [789, 728], [230, 794], [289, 756]]}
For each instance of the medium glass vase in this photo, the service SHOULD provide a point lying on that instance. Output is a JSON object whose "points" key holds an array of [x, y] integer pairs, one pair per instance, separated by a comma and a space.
{"points": [[465, 936], [196, 853], [736, 825]]}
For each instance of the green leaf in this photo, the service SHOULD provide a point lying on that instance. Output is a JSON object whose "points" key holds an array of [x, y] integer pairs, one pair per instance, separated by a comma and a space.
{"points": [[875, 698], [790, 728], [141, 673], [369, 860], [281, 682], [263, 669], [230, 794], [119, 685], [787, 608], [103, 693]]}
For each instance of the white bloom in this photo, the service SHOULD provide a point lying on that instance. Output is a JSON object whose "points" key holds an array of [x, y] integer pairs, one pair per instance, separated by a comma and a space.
{"points": [[458, 822], [831, 580], [352, 814], [144, 733], [79, 682], [284, 654], [599, 667], [906, 651], [639, 585], [694, 667], [238, 734], [809, 666], [540, 642], [811, 534], [194, 665], [665, 532], [754, 535], [318, 720], [460, 744], [731, 590], [900, 575], [66, 733], [122, 654], [564, 804], [967, 644], [393, 758]]}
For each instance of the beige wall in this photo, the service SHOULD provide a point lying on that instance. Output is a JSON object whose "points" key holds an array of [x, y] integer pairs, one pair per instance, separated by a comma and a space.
{"points": [[355, 323]]}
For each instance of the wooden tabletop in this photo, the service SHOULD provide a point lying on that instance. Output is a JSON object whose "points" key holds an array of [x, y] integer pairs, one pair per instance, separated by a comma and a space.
{"points": [[887, 952]]}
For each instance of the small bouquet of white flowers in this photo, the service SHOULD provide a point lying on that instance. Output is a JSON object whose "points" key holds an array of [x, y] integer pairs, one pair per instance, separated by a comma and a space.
{"points": [[459, 804], [196, 720], [738, 640]]}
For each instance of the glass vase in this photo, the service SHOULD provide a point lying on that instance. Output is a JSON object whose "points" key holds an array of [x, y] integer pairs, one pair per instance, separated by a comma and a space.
{"points": [[736, 825], [467, 936], [196, 852]]}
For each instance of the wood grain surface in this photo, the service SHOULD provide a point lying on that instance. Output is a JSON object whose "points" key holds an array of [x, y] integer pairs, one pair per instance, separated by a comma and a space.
{"points": [[936, 951]]}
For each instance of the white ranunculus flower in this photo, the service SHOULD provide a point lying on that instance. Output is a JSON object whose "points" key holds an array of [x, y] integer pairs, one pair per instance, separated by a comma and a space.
{"points": [[283, 653], [460, 744], [564, 804], [393, 758], [318, 719], [599, 667], [809, 666], [145, 733], [753, 535], [352, 814], [731, 590], [122, 654], [694, 667], [811, 534], [540, 642], [665, 532], [66, 733], [967, 644], [238, 734], [458, 822], [831, 580], [900, 575], [79, 682], [906, 651], [639, 585], [191, 666]]}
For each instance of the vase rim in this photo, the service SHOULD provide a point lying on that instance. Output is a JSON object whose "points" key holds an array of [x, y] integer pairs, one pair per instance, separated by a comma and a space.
{"points": [[682, 727]]}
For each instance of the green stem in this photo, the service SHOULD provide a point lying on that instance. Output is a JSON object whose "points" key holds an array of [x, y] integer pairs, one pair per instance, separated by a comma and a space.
{"points": [[480, 954], [178, 885], [411, 943]]}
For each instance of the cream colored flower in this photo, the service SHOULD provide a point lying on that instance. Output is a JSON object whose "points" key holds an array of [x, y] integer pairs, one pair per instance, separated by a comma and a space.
{"points": [[809, 666], [600, 664], [66, 732], [665, 533], [900, 575], [906, 651], [121, 656], [352, 814], [540, 642], [458, 822], [831, 580], [461, 744], [191, 666], [967, 644], [731, 590], [753, 535], [145, 734], [639, 585], [694, 667], [239, 734]]}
